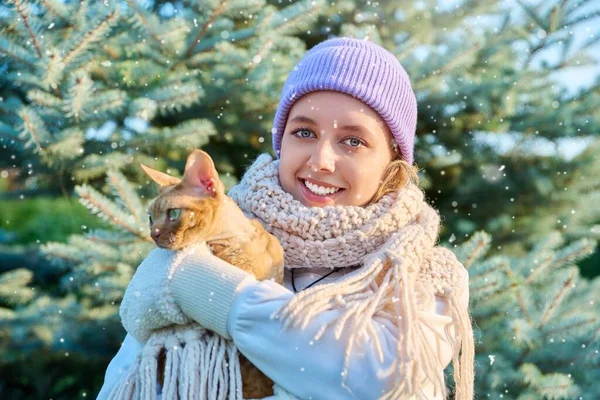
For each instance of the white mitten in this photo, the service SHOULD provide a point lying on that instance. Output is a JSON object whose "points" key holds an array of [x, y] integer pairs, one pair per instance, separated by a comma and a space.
{"points": [[147, 303]]}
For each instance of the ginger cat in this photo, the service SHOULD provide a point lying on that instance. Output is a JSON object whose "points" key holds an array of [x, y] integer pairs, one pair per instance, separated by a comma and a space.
{"points": [[195, 209]]}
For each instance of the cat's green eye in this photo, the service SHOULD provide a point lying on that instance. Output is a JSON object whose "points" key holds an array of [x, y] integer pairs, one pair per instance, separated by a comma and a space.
{"points": [[150, 219], [174, 213]]}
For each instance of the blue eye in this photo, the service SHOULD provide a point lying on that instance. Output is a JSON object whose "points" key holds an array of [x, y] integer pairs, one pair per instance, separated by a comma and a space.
{"points": [[355, 142], [295, 133]]}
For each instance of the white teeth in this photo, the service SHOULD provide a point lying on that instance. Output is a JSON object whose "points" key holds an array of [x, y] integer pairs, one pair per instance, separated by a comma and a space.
{"points": [[320, 190]]}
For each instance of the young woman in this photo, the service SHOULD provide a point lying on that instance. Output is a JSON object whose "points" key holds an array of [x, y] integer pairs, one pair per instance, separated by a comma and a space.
{"points": [[371, 307]]}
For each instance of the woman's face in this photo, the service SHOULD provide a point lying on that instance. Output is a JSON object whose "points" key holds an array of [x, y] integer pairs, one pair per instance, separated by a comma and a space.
{"points": [[334, 150]]}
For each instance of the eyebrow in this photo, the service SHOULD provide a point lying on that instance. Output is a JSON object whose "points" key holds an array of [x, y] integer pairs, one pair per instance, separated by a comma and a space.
{"points": [[354, 128]]}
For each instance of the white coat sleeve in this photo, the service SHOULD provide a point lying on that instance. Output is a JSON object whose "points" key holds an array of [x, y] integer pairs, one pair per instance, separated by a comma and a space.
{"points": [[119, 365], [292, 359]]}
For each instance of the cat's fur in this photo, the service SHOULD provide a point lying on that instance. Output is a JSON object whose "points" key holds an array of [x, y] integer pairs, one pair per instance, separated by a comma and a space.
{"points": [[208, 214]]}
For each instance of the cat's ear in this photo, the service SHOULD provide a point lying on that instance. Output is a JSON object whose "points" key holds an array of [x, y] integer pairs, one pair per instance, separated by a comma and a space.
{"points": [[160, 177], [200, 172]]}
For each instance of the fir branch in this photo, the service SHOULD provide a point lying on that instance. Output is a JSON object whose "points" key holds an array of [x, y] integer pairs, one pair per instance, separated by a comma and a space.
{"points": [[548, 243], [143, 108], [496, 296], [53, 71], [575, 251], [214, 15], [105, 104], [580, 19], [68, 146], [172, 97], [91, 36], [566, 287], [483, 289], [95, 166], [126, 194], [541, 268], [98, 252], [142, 52], [103, 207], [451, 64], [80, 91], [477, 245], [7, 315], [7, 131], [261, 52], [286, 17], [555, 15], [290, 20], [34, 128], [16, 52], [535, 49], [60, 251], [25, 18], [58, 9], [193, 133], [111, 238], [593, 337], [44, 99], [520, 299], [25, 78], [145, 22], [13, 286], [532, 14], [135, 73], [79, 17], [577, 6], [569, 327]]}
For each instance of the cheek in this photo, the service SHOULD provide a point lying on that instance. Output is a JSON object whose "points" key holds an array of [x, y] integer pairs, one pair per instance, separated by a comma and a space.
{"points": [[289, 165], [286, 174], [364, 182]]}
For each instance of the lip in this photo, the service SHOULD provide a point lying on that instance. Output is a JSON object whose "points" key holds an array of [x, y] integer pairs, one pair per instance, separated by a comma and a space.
{"points": [[315, 200]]}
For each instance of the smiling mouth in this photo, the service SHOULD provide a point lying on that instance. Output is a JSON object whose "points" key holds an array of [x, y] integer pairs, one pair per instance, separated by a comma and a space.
{"points": [[319, 190]]}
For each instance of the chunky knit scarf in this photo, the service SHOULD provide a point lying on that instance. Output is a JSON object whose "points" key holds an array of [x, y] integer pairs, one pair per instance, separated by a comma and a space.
{"points": [[402, 270]]}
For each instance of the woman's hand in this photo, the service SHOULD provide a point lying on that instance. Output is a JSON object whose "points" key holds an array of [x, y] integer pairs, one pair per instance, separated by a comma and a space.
{"points": [[178, 287]]}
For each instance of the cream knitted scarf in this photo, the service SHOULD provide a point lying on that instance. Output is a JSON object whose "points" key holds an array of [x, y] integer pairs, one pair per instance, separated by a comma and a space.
{"points": [[402, 269]]}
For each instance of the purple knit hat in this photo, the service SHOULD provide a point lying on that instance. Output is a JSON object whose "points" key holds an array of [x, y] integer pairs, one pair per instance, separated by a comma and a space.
{"points": [[363, 70]]}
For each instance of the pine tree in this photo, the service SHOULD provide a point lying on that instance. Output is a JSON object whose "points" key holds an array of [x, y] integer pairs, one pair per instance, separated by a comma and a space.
{"points": [[538, 320]]}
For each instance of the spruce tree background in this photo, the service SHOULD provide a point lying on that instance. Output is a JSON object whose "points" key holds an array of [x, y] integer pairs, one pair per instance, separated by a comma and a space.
{"points": [[88, 90]]}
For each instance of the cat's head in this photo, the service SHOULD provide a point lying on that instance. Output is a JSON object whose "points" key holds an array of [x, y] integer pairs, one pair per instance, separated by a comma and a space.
{"points": [[184, 211]]}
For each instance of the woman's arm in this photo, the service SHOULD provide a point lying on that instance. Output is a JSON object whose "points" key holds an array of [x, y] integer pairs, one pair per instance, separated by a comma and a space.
{"points": [[306, 368], [119, 365]]}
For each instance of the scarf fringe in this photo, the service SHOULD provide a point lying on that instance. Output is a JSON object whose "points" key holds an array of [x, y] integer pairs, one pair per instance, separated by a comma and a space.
{"points": [[464, 372], [127, 386], [394, 303], [199, 365]]}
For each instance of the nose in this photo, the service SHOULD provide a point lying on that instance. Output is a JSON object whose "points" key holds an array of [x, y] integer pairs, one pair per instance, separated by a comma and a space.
{"points": [[155, 233], [323, 159]]}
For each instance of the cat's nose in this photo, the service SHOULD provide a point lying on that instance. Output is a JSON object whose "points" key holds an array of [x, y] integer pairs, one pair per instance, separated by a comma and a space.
{"points": [[155, 234]]}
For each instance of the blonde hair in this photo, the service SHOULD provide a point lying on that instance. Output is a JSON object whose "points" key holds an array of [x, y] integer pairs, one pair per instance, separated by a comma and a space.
{"points": [[397, 174]]}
